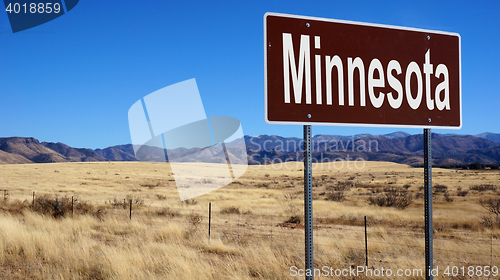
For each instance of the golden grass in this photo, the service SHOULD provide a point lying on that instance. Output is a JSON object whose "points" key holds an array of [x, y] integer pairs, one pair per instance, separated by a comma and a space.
{"points": [[162, 241]]}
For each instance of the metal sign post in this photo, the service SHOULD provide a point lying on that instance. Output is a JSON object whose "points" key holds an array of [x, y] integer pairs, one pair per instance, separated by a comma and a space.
{"points": [[308, 201], [428, 203]]}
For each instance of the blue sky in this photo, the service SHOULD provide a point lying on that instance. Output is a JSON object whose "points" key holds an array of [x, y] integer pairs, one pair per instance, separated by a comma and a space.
{"points": [[73, 79]]}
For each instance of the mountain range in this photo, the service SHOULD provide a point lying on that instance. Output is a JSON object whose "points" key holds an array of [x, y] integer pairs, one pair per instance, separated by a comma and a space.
{"points": [[400, 147]]}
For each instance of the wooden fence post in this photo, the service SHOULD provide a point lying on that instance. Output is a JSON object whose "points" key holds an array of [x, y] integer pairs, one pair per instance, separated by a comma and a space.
{"points": [[209, 218], [366, 245], [131, 209]]}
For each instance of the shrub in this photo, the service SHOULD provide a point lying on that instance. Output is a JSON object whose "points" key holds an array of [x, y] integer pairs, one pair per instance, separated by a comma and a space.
{"points": [[345, 185], [264, 185], [342, 186], [492, 205], [392, 197], [483, 187], [60, 207], [462, 193], [190, 201], [125, 203], [295, 219], [168, 212], [475, 166], [230, 210], [490, 222], [447, 197], [338, 196], [440, 188], [194, 220], [161, 196], [14, 206]]}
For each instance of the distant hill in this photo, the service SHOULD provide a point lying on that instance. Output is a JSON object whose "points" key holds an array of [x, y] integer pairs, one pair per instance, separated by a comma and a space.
{"points": [[490, 153], [400, 147], [30, 149], [495, 137], [73, 154], [446, 150], [117, 153], [8, 158]]}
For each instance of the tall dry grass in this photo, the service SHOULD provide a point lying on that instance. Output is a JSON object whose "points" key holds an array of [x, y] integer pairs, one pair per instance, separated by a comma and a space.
{"points": [[165, 239], [40, 247]]}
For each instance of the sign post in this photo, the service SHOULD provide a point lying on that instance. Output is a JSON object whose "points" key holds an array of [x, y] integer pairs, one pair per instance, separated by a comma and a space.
{"points": [[331, 72], [308, 201], [428, 203]]}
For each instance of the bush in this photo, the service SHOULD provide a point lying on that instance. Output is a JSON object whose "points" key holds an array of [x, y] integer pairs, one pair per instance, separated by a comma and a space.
{"points": [[490, 222], [190, 201], [230, 210], [167, 212], [492, 205], [60, 207], [462, 193], [344, 185], [483, 187], [295, 219], [14, 206], [440, 188], [194, 220], [161, 196], [125, 203], [447, 197], [475, 166], [338, 196], [392, 197]]}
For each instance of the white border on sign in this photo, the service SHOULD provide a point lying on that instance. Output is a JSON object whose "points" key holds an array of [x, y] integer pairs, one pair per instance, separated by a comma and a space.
{"points": [[364, 24]]}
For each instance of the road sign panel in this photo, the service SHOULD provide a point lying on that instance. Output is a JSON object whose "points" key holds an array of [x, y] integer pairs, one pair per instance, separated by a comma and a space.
{"points": [[331, 72]]}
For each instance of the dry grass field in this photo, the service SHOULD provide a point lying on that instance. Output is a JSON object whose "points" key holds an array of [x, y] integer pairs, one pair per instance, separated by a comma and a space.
{"points": [[256, 230]]}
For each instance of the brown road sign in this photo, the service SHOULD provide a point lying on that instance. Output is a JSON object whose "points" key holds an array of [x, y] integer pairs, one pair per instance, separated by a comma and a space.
{"points": [[331, 72]]}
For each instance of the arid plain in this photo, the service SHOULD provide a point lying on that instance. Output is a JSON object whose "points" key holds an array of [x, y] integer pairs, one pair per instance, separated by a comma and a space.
{"points": [[255, 223]]}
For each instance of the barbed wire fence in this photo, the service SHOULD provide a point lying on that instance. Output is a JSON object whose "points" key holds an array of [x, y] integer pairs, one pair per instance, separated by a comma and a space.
{"points": [[376, 247]]}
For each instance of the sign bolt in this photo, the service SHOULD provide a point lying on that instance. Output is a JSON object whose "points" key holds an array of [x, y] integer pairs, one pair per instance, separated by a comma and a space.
{"points": [[428, 37], [429, 119], [307, 24], [308, 116]]}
